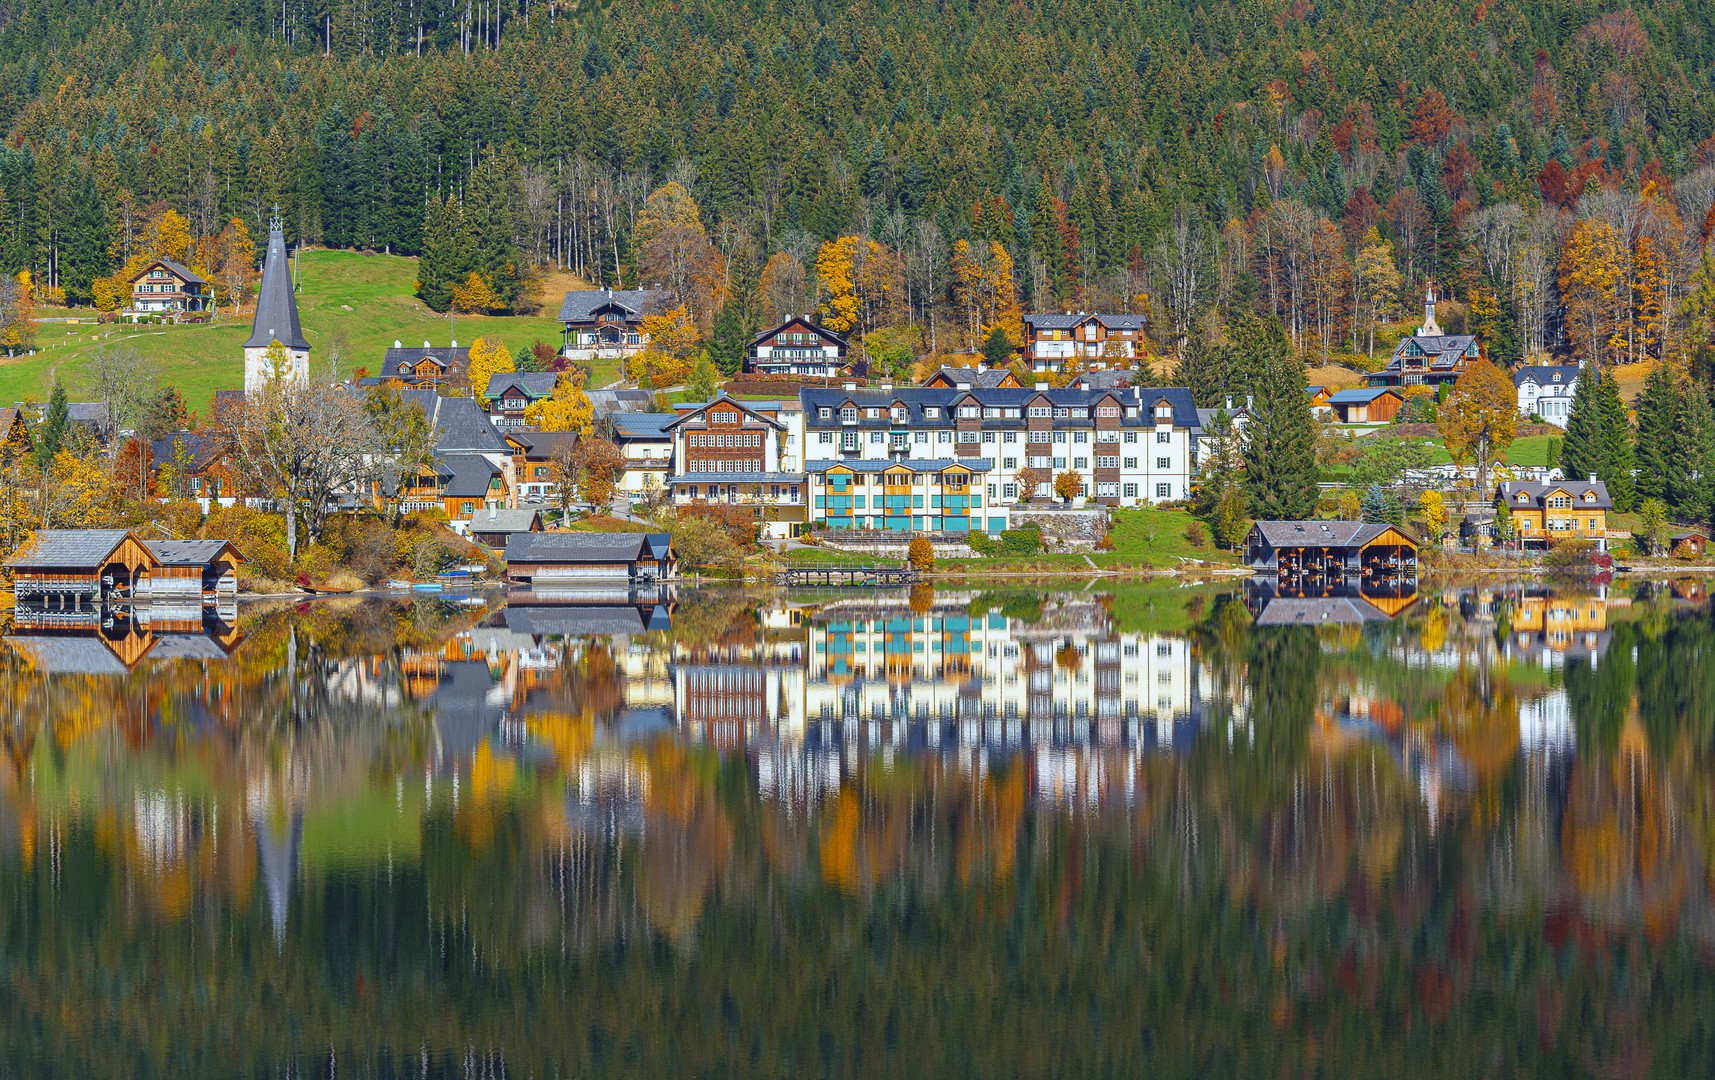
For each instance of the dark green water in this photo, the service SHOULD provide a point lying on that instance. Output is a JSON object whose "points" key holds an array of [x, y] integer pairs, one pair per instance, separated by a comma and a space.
{"points": [[1105, 832]]}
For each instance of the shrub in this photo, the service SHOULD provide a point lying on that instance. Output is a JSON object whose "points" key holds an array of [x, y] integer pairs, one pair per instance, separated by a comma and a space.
{"points": [[982, 544], [1685, 551], [921, 553], [1194, 534], [1106, 543], [1025, 541], [1571, 559]]}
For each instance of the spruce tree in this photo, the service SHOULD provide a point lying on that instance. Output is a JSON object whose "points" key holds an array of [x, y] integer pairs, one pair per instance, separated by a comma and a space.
{"points": [[1617, 440], [1280, 451], [728, 342], [1200, 370], [50, 434], [1583, 452], [1376, 507], [1658, 412], [1693, 492]]}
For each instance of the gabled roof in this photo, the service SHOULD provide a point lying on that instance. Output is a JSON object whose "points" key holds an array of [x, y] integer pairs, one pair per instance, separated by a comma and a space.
{"points": [[534, 385], [1443, 351], [191, 552], [68, 654], [800, 321], [409, 356], [1048, 320], [585, 304], [604, 402], [1113, 379], [987, 380], [721, 398], [201, 448], [179, 269], [1558, 374], [1361, 396], [505, 521], [1323, 533], [917, 398], [276, 306], [586, 547], [459, 423], [1534, 494], [69, 548], [541, 444], [471, 475]]}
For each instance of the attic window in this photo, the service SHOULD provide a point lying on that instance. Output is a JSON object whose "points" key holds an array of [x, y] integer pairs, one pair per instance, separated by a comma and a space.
{"points": [[1522, 497], [848, 413], [1589, 496], [824, 413], [931, 412]]}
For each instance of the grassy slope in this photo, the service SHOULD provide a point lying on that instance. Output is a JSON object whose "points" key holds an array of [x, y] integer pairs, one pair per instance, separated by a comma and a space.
{"points": [[202, 359]]}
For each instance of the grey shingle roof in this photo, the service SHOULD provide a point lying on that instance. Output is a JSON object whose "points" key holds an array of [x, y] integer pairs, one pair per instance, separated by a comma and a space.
{"points": [[68, 655], [200, 448], [576, 547], [916, 398], [569, 621], [1289, 611], [471, 475], [1103, 380], [185, 552], [70, 549], [86, 412], [985, 379], [1535, 493], [604, 402], [504, 521], [186, 647], [633, 304], [180, 269], [1321, 533], [411, 355], [460, 424], [1545, 374], [535, 385], [276, 307], [541, 445], [1048, 320]]}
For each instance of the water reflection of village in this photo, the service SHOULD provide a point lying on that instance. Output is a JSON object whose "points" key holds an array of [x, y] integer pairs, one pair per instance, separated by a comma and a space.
{"points": [[598, 729]]}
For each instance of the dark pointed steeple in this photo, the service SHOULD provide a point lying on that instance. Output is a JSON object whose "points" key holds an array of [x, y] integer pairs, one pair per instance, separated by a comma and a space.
{"points": [[276, 307]]}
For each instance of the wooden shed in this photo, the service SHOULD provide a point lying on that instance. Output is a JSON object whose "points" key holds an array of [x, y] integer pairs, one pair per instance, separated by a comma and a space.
{"points": [[1372, 405], [191, 569], [73, 564], [550, 558], [1694, 543]]}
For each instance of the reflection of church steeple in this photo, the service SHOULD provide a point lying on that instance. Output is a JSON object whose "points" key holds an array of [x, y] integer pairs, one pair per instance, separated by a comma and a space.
{"points": [[276, 317], [277, 849]]}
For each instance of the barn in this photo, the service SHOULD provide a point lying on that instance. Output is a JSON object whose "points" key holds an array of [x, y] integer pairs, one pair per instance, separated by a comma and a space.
{"points": [[550, 558]]}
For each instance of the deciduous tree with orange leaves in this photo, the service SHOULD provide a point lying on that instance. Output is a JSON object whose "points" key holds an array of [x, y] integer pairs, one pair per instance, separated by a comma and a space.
{"points": [[1479, 419], [1592, 273]]}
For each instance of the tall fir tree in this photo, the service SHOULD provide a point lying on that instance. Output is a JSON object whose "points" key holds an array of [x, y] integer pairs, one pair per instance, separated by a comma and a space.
{"points": [[1618, 449], [1692, 494], [1280, 449], [51, 433], [1583, 451], [1658, 413], [727, 340]]}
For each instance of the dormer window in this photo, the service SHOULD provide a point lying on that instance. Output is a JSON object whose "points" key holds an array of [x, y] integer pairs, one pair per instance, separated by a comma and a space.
{"points": [[848, 413], [1163, 413], [1040, 411], [824, 413], [969, 411], [1523, 498], [899, 414], [872, 414], [931, 412], [1589, 496]]}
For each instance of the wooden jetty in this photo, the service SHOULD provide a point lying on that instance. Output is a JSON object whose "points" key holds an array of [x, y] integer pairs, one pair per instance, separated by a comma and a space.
{"points": [[861, 577]]}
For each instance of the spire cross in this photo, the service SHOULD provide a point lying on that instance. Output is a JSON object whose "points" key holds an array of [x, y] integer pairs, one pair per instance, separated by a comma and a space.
{"points": [[274, 222]]}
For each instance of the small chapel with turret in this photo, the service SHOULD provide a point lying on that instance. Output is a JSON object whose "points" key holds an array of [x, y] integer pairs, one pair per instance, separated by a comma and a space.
{"points": [[276, 319]]}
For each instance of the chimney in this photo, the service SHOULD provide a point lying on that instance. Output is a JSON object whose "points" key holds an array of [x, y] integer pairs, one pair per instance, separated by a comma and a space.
{"points": [[1592, 478], [887, 386], [1041, 386], [962, 386], [426, 344], [1248, 403], [981, 367], [397, 344], [455, 343], [851, 386], [1229, 403]]}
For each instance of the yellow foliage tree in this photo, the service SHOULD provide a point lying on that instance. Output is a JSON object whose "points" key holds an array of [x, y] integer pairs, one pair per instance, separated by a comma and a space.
{"points": [[1479, 418], [987, 294], [488, 357], [18, 326], [668, 205], [475, 295], [670, 344], [1593, 268], [567, 409], [168, 235], [861, 284], [1435, 514]]}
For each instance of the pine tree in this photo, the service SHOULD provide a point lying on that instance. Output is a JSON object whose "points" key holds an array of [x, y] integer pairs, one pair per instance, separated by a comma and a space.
{"points": [[1377, 509], [1280, 451], [1201, 371], [1658, 412], [1583, 451], [1617, 444], [728, 342]]}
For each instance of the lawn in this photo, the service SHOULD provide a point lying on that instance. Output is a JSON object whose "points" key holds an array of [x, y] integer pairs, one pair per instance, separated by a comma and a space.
{"points": [[364, 299], [1157, 538], [1529, 450]]}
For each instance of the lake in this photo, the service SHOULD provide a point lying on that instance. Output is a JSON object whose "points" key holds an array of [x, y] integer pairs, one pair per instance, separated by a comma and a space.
{"points": [[1073, 830]]}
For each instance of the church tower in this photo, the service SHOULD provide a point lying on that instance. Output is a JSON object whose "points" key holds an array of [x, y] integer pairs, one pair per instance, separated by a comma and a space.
{"points": [[276, 319], [1430, 327]]}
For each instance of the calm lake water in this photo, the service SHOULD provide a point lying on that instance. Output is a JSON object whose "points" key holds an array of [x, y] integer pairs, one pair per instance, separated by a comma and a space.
{"points": [[1103, 831]]}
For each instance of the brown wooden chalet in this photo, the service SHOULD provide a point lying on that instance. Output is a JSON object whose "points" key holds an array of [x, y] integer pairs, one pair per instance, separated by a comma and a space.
{"points": [[60, 565], [166, 286], [191, 569], [608, 323]]}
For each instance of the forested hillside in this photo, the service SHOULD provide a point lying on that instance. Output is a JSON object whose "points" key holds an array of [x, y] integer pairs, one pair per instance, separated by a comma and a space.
{"points": [[1183, 158]]}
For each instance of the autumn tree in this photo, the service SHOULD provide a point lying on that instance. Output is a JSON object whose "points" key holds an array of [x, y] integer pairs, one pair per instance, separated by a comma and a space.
{"points": [[921, 553], [1068, 483], [404, 444], [1592, 273], [568, 408], [488, 358], [1031, 481], [599, 466], [1375, 284], [1479, 419], [861, 285], [785, 289]]}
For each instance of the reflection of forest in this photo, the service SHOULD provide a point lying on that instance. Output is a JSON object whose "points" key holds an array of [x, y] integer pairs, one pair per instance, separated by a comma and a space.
{"points": [[413, 838]]}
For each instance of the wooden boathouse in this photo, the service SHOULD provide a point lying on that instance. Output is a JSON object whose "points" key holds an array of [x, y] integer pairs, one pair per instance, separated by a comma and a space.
{"points": [[1331, 549], [74, 565], [572, 558]]}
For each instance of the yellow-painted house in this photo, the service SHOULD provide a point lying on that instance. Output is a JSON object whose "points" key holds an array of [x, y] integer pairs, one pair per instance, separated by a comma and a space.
{"points": [[1545, 514]]}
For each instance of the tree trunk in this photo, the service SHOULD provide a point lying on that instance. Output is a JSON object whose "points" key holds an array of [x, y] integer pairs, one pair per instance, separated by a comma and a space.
{"points": [[291, 527]]}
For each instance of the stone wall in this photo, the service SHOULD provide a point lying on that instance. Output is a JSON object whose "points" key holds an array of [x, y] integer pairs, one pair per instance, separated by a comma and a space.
{"points": [[1079, 528], [890, 549]]}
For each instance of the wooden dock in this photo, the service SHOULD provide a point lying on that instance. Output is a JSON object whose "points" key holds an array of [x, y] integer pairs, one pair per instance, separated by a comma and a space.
{"points": [[858, 577]]}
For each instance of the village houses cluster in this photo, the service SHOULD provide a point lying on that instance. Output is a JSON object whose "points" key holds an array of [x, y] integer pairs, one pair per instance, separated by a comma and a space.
{"points": [[964, 452]]}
